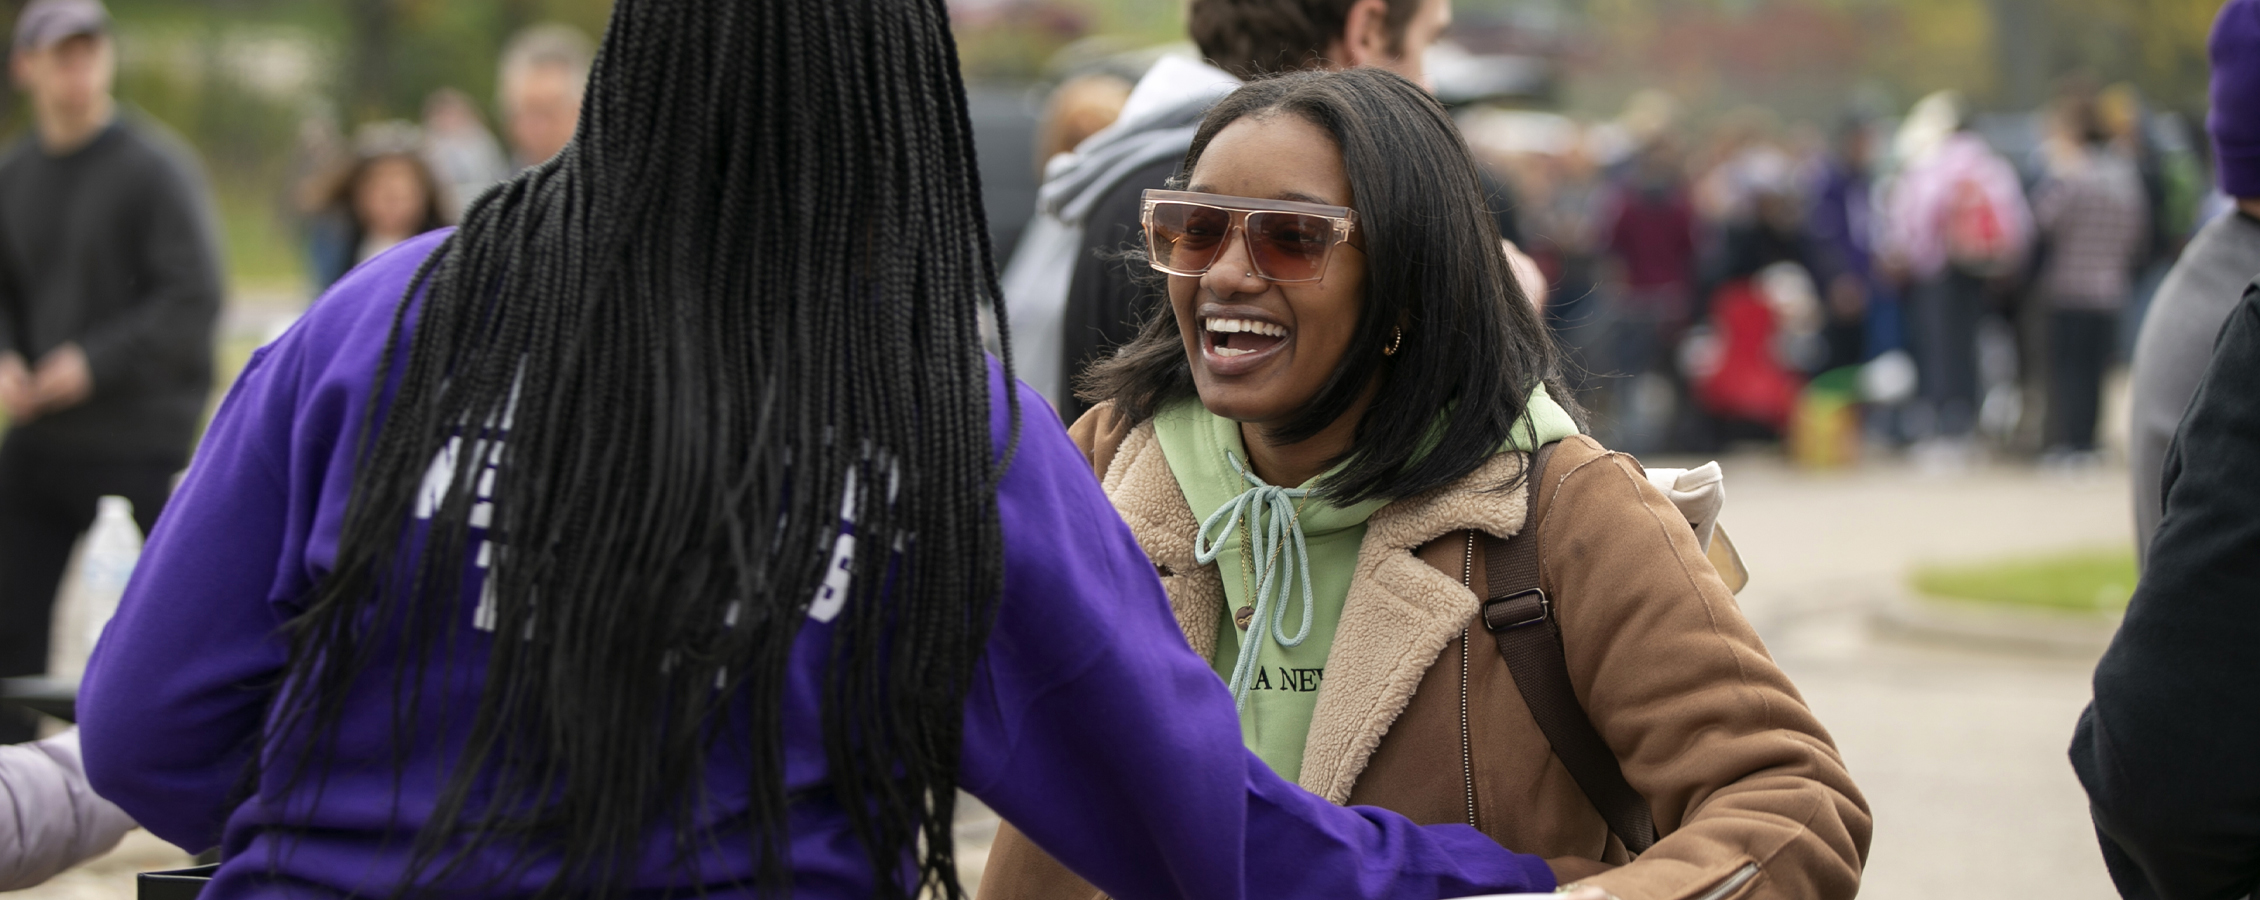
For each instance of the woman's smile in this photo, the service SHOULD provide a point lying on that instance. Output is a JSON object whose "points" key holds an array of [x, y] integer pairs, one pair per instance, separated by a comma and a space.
{"points": [[1238, 340]]}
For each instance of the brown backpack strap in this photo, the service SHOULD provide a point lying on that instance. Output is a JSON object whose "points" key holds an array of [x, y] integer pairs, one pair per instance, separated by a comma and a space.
{"points": [[1520, 618]]}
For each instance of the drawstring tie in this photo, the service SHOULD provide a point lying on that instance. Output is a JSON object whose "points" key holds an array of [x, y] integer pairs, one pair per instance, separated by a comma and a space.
{"points": [[1275, 535]]}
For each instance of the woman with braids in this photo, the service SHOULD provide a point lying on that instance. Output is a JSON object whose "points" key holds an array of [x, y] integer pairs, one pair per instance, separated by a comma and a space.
{"points": [[1325, 443], [665, 532]]}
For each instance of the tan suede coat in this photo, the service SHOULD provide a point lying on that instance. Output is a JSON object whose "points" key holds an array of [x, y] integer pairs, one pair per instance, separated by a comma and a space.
{"points": [[1748, 792]]}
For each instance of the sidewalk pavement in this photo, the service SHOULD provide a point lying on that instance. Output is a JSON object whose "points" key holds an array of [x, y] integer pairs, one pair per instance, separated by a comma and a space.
{"points": [[1961, 752]]}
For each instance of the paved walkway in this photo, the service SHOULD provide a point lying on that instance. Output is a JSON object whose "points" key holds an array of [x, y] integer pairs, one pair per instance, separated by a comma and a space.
{"points": [[1960, 751]]}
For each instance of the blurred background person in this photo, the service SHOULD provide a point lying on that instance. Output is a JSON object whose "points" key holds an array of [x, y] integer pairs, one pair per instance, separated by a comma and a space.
{"points": [[1728, 171], [2092, 211], [1842, 226], [1759, 336], [462, 153], [1091, 190], [386, 195], [2179, 330], [1560, 209], [2173, 184], [1648, 239], [545, 70], [109, 290], [1956, 225], [1080, 107], [320, 149]]}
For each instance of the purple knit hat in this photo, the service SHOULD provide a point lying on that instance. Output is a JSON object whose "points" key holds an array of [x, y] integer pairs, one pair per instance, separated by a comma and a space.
{"points": [[2235, 120]]}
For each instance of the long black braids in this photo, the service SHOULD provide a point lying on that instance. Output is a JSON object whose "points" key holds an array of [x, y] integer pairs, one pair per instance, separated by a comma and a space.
{"points": [[640, 388]]}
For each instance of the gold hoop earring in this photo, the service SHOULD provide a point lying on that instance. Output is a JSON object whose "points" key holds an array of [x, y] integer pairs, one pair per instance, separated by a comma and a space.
{"points": [[1396, 339]]}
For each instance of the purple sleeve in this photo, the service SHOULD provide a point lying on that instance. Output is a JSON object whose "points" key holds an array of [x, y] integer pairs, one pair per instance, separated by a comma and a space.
{"points": [[1102, 736], [175, 691]]}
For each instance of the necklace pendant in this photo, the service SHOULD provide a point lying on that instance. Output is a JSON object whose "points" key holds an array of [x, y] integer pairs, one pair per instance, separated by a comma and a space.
{"points": [[1243, 616]]}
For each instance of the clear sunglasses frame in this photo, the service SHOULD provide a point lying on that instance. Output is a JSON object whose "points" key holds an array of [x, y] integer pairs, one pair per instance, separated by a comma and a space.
{"points": [[1342, 219]]}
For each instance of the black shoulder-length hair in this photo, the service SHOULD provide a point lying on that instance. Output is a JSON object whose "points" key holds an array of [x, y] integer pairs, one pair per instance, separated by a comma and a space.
{"points": [[1474, 346]]}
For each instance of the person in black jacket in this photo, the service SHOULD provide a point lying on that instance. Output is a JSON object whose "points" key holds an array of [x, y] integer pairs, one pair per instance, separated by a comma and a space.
{"points": [[2166, 748], [109, 288]]}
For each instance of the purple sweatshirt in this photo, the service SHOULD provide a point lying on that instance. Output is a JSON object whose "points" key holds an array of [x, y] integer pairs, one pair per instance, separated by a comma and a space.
{"points": [[1090, 724]]}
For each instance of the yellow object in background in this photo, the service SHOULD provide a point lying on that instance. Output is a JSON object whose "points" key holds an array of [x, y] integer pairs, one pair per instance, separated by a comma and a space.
{"points": [[1824, 430]]}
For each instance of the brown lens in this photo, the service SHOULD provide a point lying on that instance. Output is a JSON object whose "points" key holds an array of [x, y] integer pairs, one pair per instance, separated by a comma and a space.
{"points": [[1289, 246], [1187, 236]]}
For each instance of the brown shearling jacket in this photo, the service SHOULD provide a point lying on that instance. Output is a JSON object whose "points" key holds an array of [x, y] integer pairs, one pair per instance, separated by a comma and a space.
{"points": [[1749, 795]]}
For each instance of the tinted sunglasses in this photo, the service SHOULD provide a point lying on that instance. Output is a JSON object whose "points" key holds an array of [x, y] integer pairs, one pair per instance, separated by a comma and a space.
{"points": [[1288, 242]]}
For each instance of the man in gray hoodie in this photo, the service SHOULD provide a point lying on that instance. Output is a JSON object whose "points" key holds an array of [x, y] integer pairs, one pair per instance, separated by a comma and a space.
{"points": [[1070, 294], [2177, 334]]}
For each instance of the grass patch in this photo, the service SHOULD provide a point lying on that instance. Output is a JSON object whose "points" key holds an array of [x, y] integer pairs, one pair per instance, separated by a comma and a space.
{"points": [[2090, 581]]}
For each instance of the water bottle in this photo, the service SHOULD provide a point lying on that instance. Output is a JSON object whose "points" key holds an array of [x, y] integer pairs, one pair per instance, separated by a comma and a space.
{"points": [[112, 548]]}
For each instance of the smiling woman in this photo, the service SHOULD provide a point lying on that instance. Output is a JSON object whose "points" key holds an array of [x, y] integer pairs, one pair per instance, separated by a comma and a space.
{"points": [[1385, 281], [1346, 396]]}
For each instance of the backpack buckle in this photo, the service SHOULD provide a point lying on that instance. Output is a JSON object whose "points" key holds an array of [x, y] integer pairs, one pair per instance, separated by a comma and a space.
{"points": [[1517, 610]]}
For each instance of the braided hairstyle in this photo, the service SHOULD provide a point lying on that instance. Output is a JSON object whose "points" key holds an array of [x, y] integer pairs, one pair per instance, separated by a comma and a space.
{"points": [[653, 368]]}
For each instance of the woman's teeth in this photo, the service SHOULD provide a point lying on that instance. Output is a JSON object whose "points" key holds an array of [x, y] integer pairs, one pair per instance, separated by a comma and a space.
{"points": [[1264, 334], [1251, 326]]}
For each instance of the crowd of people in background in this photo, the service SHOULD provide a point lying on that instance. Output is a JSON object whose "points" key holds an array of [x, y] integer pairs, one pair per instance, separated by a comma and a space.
{"points": [[1961, 277], [1966, 280]]}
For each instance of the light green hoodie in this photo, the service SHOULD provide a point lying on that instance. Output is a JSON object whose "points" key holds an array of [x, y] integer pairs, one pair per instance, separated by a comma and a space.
{"points": [[1306, 551]]}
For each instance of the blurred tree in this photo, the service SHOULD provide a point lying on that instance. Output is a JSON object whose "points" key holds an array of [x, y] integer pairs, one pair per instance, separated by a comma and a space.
{"points": [[2021, 51], [1920, 46], [2159, 45], [369, 29], [2002, 53], [517, 14]]}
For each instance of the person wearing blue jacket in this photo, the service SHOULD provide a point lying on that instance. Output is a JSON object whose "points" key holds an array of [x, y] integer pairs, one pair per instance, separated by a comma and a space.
{"points": [[665, 530]]}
